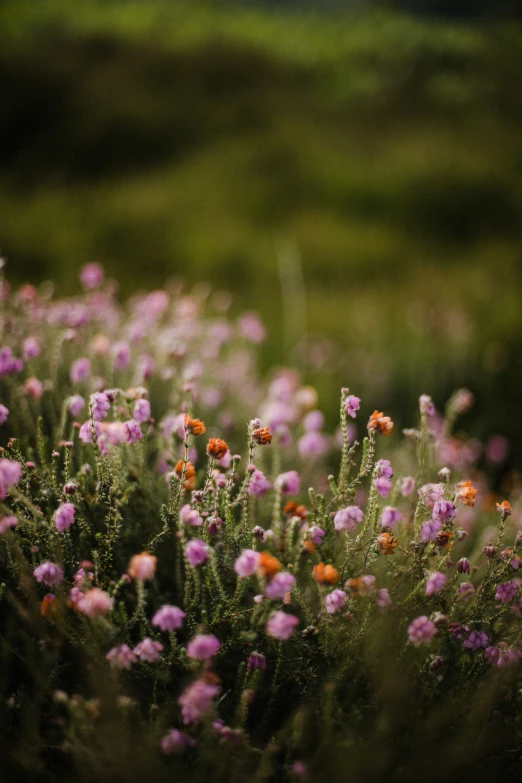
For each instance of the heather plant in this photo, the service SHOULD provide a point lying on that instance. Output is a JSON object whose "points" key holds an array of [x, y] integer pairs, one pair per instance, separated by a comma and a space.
{"points": [[200, 582]]}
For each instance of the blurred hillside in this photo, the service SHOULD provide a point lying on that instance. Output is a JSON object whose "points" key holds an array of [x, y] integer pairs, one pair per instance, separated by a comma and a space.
{"points": [[373, 158]]}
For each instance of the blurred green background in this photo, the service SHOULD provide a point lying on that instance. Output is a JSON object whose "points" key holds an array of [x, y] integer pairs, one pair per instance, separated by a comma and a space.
{"points": [[352, 171]]}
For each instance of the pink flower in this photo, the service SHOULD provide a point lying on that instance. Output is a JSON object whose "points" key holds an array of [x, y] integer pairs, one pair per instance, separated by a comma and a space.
{"points": [[421, 631], [197, 552], [121, 657], [383, 599], [10, 475], [31, 349], [352, 405], [64, 516], [202, 647], [407, 486], [133, 431], [335, 601], [33, 388], [390, 517], [121, 355], [256, 661], [435, 582], [444, 511], [383, 469], [288, 483], [430, 530], [312, 445], [313, 421], [175, 741], [426, 405], [6, 523], [259, 484], [252, 328], [141, 410], [189, 516], [507, 591], [80, 370], [247, 563], [76, 404], [383, 486], [48, 574], [430, 493], [91, 276], [148, 650], [142, 567], [168, 618], [4, 413], [467, 590], [316, 535], [281, 625], [196, 700], [85, 431], [348, 518], [94, 603], [280, 585]]}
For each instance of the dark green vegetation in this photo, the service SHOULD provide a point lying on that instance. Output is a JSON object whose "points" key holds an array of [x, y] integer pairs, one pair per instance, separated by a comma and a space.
{"points": [[178, 138]]}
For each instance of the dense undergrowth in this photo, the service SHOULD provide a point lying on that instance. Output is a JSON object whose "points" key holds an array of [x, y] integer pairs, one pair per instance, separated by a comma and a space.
{"points": [[199, 581]]}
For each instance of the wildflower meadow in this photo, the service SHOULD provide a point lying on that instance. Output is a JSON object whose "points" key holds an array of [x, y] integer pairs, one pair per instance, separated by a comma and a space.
{"points": [[200, 581]]}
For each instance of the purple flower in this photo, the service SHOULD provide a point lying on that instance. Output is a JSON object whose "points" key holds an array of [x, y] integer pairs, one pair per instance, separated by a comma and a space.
{"points": [[335, 601], [383, 469], [252, 328], [352, 405], [196, 700], [80, 370], [9, 364], [4, 413], [502, 656], [247, 563], [443, 511], [141, 410], [121, 657], [202, 647], [256, 661], [259, 484], [390, 516], [76, 404], [64, 516], [463, 566], [280, 585], [281, 625], [100, 405], [313, 421], [312, 445], [507, 591], [476, 640], [168, 618], [91, 275], [175, 741], [196, 552], [348, 518], [6, 523], [133, 431], [10, 475], [288, 483], [430, 493], [435, 582], [189, 516], [148, 650], [421, 631], [467, 590], [48, 574], [383, 486], [430, 530], [407, 486], [316, 535], [383, 599], [31, 349]]}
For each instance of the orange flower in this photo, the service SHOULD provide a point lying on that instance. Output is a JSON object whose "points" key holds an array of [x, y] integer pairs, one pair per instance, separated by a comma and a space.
{"points": [[388, 543], [378, 421], [217, 448], [194, 426], [190, 474], [326, 574], [262, 436], [309, 546], [444, 539], [268, 565], [294, 509], [504, 509], [48, 607], [361, 585], [467, 493]]}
